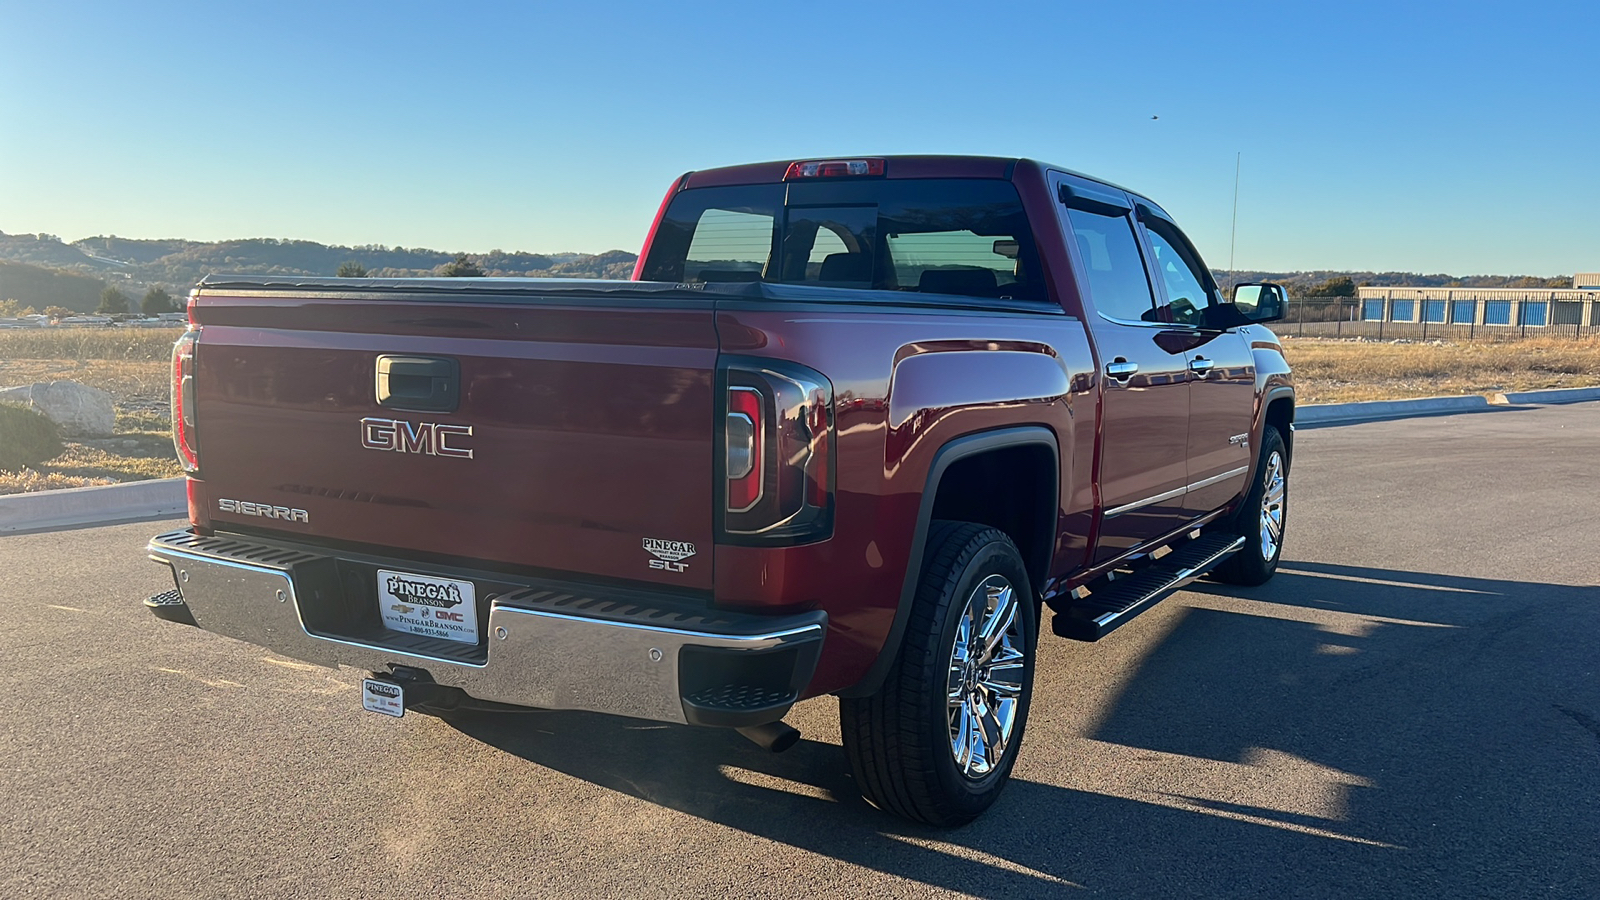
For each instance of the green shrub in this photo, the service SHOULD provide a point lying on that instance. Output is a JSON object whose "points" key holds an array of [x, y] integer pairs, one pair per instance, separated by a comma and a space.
{"points": [[26, 438]]}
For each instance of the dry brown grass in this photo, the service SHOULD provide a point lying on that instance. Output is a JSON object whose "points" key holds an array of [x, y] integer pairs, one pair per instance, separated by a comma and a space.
{"points": [[132, 344], [134, 386], [1335, 371], [129, 363], [27, 481]]}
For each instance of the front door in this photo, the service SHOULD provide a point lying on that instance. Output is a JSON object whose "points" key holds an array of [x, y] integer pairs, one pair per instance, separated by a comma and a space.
{"points": [[1144, 412], [1222, 373]]}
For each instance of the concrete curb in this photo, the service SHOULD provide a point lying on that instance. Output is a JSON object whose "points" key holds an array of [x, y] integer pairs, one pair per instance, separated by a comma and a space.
{"points": [[1351, 413], [1379, 410], [71, 507], [1561, 395]]}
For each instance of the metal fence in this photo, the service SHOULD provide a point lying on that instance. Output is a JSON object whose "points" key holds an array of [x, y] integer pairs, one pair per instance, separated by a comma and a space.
{"points": [[1428, 319]]}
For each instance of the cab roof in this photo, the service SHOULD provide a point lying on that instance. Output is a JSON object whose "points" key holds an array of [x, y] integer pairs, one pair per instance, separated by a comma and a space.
{"points": [[896, 167], [904, 166]]}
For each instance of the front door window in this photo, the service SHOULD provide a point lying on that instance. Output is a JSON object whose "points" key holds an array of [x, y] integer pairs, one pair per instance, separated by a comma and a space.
{"points": [[1187, 295]]}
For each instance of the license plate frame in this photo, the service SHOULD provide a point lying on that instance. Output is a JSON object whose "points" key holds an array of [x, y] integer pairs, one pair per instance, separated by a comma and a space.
{"points": [[428, 605]]}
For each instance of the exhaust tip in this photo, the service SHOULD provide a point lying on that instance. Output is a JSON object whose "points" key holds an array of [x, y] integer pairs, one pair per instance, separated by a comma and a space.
{"points": [[775, 737]]}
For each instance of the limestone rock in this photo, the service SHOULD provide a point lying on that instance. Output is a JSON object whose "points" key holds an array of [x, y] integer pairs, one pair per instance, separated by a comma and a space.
{"points": [[80, 410]]}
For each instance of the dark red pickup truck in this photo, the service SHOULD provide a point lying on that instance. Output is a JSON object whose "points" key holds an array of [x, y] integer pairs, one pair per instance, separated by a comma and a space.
{"points": [[853, 428]]}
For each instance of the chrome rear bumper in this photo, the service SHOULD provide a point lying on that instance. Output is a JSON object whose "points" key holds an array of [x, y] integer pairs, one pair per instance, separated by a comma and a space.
{"points": [[550, 645]]}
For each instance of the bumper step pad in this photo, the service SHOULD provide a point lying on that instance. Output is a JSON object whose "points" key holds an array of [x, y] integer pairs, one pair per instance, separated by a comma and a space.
{"points": [[169, 605], [1093, 616]]}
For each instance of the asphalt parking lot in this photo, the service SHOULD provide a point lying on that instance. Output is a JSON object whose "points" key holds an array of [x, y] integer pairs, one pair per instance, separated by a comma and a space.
{"points": [[1411, 708]]}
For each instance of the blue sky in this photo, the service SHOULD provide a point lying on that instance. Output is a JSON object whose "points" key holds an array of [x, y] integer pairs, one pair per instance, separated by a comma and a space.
{"points": [[1460, 137]]}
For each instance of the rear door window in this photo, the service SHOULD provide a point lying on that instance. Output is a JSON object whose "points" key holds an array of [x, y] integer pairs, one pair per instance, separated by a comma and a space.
{"points": [[1110, 256]]}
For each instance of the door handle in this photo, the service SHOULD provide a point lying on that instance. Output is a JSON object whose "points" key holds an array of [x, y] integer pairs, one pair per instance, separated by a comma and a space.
{"points": [[1201, 366], [1121, 370]]}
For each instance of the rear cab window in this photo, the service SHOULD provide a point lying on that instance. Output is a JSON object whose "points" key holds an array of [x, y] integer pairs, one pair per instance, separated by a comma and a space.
{"points": [[944, 236], [728, 245]]}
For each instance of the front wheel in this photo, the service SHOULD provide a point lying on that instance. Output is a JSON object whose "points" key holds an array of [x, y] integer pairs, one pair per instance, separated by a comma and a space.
{"points": [[1261, 517], [936, 743]]}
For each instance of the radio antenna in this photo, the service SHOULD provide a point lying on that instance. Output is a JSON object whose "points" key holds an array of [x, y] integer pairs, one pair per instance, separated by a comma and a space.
{"points": [[1233, 233]]}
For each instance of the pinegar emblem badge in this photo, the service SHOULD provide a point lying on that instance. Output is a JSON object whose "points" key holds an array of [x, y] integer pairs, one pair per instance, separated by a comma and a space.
{"points": [[669, 554]]}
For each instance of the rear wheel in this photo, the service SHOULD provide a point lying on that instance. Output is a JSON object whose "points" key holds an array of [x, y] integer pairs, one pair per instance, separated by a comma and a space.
{"points": [[1261, 517], [937, 742]]}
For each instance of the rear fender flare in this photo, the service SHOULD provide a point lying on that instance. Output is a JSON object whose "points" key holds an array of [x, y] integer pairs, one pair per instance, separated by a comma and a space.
{"points": [[954, 451]]}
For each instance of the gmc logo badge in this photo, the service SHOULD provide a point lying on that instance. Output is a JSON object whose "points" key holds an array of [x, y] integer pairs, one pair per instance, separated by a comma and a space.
{"points": [[428, 438]]}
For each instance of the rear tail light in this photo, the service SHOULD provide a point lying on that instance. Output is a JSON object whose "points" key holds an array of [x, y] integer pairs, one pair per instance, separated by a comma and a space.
{"points": [[183, 419], [746, 445], [777, 464], [833, 168]]}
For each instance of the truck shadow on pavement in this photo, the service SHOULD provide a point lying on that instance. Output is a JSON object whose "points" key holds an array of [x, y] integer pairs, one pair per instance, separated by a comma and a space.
{"points": [[1340, 730]]}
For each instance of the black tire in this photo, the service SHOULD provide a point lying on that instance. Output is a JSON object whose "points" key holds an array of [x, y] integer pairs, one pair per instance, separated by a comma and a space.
{"points": [[899, 739], [1255, 563]]}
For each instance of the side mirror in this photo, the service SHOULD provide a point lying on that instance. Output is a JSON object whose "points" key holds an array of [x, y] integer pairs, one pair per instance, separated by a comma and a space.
{"points": [[1261, 302]]}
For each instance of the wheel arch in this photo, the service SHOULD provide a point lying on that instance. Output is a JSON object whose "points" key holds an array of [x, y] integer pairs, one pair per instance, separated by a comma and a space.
{"points": [[1279, 413], [957, 465]]}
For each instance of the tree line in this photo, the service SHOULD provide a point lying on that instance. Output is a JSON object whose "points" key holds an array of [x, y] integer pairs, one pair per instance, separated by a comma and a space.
{"points": [[113, 302], [1344, 284]]}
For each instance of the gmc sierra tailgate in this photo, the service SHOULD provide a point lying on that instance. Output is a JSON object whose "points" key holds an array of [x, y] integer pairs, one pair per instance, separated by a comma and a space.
{"points": [[555, 425]]}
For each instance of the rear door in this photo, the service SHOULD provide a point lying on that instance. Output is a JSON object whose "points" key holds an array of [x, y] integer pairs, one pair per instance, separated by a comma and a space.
{"points": [[571, 430], [1145, 393]]}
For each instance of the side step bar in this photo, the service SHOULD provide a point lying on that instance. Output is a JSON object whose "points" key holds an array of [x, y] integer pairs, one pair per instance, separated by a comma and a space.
{"points": [[1092, 617]]}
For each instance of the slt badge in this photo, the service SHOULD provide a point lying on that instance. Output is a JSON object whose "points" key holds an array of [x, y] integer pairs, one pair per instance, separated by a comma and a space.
{"points": [[668, 554]]}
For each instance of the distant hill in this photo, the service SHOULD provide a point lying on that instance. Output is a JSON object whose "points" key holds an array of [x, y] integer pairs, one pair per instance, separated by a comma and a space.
{"points": [[40, 287], [73, 274], [177, 264], [1299, 283]]}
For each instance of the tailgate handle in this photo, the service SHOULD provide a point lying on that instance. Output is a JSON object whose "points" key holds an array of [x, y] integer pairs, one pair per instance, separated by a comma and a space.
{"points": [[422, 383]]}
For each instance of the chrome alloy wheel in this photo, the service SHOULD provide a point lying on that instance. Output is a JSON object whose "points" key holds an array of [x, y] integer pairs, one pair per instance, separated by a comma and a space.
{"points": [[986, 672], [1273, 488]]}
